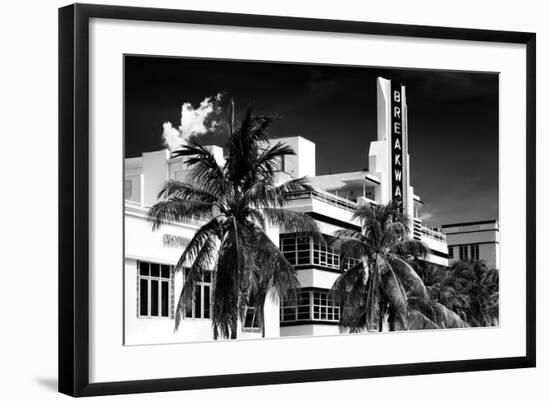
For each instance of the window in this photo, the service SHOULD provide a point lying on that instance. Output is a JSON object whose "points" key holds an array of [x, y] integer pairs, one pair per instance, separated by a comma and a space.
{"points": [[155, 289], [310, 305], [474, 252], [296, 248], [324, 307], [127, 189], [200, 308], [282, 163], [326, 256], [296, 307], [251, 320], [451, 254], [302, 250], [463, 252]]}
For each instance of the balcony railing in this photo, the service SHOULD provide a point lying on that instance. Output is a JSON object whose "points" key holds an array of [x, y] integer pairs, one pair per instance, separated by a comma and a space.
{"points": [[325, 197], [423, 231]]}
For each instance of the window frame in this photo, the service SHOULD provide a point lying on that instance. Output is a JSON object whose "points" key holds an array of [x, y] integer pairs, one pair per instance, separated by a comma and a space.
{"points": [[474, 251], [255, 327], [463, 252], [202, 285], [306, 298], [320, 255], [160, 279]]}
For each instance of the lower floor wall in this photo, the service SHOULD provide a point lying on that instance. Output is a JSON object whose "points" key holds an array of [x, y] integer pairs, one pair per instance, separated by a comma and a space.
{"points": [[310, 330], [144, 330]]}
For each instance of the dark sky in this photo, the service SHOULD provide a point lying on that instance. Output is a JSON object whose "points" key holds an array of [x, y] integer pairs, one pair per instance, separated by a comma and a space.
{"points": [[453, 119]]}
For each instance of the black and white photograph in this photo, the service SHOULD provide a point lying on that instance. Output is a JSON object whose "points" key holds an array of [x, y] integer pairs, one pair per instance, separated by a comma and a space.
{"points": [[275, 200], [270, 199]]}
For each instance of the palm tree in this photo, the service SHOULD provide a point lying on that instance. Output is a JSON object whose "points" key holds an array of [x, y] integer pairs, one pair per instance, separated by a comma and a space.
{"points": [[469, 288], [383, 286], [240, 199], [444, 305]]}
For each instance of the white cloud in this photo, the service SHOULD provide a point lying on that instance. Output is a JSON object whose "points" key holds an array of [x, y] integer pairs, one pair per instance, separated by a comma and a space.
{"points": [[425, 216], [193, 122]]}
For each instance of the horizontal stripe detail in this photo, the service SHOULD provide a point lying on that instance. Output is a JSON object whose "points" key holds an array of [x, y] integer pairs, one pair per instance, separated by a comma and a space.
{"points": [[333, 221], [309, 322], [472, 231], [474, 243], [440, 254], [315, 267], [469, 223]]}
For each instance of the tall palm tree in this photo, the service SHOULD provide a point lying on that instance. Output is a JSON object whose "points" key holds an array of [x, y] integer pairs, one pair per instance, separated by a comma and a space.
{"points": [[239, 199], [383, 286]]}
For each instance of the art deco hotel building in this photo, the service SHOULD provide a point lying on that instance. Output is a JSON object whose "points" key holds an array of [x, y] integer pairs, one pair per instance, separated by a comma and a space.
{"points": [[152, 289]]}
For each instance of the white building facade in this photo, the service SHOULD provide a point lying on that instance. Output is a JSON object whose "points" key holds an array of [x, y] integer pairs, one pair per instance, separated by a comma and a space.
{"points": [[152, 288], [476, 240]]}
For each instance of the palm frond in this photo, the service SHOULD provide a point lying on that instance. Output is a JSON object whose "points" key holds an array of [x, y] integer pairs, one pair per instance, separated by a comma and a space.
{"points": [[264, 194], [212, 229], [396, 296], [373, 298], [352, 234], [257, 217], [205, 169], [408, 276], [448, 318], [268, 161], [184, 191], [349, 284], [351, 248], [202, 263], [416, 320], [276, 273], [176, 210], [292, 222]]}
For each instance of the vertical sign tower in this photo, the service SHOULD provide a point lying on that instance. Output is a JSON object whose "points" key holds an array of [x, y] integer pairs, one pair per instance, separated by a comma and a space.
{"points": [[396, 141], [393, 136]]}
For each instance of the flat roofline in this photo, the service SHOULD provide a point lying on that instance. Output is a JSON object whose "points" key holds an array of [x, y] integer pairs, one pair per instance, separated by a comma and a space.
{"points": [[468, 223], [360, 174], [282, 138]]}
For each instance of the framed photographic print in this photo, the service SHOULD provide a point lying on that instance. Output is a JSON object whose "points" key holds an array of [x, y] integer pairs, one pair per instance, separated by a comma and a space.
{"points": [[278, 199]]}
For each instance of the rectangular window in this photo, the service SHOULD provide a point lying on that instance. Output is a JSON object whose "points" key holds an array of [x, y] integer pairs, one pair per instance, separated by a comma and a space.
{"points": [[451, 255], [155, 298], [324, 307], [474, 252], [302, 250], [127, 189], [282, 166], [296, 248], [165, 290], [463, 252], [251, 320], [310, 305], [325, 255], [143, 297], [200, 308]]}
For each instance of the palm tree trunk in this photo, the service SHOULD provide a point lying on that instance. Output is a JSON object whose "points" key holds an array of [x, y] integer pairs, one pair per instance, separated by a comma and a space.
{"points": [[234, 327]]}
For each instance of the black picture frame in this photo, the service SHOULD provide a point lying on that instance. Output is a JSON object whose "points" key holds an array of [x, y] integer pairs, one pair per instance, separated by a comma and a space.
{"points": [[74, 205]]}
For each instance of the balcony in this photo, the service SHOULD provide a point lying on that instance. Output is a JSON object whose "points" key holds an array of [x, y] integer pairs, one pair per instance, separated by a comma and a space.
{"points": [[325, 197], [420, 232], [301, 250]]}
